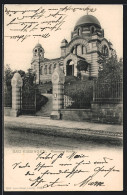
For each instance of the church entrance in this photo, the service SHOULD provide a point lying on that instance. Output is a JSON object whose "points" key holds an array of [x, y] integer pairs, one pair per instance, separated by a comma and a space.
{"points": [[70, 68]]}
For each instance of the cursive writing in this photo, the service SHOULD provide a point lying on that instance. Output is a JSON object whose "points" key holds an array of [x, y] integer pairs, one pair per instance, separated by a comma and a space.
{"points": [[19, 165], [105, 160], [60, 169], [97, 170], [54, 157], [22, 23]]}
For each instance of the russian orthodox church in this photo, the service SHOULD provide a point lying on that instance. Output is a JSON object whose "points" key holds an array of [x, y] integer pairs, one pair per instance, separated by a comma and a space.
{"points": [[87, 41]]}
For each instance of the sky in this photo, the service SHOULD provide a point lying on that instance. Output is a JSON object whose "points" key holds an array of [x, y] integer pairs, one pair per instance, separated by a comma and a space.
{"points": [[19, 54]]}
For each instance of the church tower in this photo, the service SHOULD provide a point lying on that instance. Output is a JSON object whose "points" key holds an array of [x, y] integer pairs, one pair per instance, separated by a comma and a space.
{"points": [[38, 58]]}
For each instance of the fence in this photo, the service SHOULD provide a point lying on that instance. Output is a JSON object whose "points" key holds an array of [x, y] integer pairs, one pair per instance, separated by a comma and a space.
{"points": [[28, 101], [108, 92], [80, 96], [8, 96], [32, 101]]}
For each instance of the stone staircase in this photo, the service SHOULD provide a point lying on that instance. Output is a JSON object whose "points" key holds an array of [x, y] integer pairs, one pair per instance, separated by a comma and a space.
{"points": [[46, 110]]}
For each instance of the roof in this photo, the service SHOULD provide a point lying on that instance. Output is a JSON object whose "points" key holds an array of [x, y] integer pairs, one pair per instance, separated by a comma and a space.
{"points": [[87, 19], [38, 45], [46, 59], [64, 41]]}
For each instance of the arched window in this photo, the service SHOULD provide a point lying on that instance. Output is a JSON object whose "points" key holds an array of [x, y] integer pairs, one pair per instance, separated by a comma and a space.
{"points": [[35, 52], [54, 66], [45, 69], [78, 31], [50, 71], [41, 52], [72, 51], [105, 50], [70, 68], [92, 29]]}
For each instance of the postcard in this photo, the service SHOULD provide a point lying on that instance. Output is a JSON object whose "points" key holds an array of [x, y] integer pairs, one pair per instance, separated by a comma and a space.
{"points": [[63, 126]]}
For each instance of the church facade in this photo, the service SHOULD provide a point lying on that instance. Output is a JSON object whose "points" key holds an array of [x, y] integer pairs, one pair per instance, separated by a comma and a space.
{"points": [[87, 41]]}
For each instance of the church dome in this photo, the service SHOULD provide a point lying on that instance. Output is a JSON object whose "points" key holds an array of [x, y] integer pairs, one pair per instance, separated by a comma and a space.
{"points": [[38, 45], [87, 20]]}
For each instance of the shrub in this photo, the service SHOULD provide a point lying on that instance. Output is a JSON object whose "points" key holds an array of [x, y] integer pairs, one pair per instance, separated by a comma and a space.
{"points": [[80, 91]]}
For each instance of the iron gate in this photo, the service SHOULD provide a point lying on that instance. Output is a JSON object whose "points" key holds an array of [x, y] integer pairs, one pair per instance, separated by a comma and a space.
{"points": [[8, 96], [28, 101]]}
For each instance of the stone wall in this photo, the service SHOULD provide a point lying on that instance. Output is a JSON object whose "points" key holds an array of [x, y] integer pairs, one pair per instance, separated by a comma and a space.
{"points": [[101, 113], [76, 114], [7, 111], [107, 113]]}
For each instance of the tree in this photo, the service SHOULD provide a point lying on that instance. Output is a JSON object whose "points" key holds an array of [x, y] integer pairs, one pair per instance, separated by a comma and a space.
{"points": [[82, 65], [28, 80], [8, 74], [21, 72], [110, 68], [28, 77], [108, 85]]}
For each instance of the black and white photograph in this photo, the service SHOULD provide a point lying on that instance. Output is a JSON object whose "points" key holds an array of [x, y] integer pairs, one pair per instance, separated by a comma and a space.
{"points": [[63, 97]]}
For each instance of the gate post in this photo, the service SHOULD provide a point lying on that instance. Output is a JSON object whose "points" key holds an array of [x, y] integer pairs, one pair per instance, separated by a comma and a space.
{"points": [[58, 80], [17, 84]]}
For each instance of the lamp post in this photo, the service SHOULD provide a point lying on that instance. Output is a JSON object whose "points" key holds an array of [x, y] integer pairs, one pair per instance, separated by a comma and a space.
{"points": [[34, 72]]}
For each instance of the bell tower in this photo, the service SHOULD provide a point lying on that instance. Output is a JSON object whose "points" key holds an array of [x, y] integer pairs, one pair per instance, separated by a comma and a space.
{"points": [[38, 58]]}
